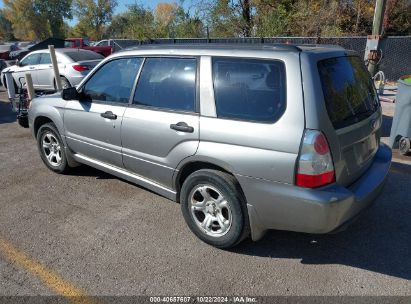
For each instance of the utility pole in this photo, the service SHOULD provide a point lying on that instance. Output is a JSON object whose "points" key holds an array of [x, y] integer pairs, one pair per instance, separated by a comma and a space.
{"points": [[373, 46]]}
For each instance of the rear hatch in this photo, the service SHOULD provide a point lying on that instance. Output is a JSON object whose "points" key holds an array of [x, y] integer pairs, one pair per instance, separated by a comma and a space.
{"points": [[354, 110]]}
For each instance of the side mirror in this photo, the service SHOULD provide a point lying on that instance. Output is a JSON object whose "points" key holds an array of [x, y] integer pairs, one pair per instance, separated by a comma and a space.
{"points": [[18, 63], [70, 94]]}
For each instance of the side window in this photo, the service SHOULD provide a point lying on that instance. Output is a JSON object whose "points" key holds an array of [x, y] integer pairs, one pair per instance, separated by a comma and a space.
{"points": [[45, 58], [32, 59], [249, 89], [113, 81], [168, 83]]}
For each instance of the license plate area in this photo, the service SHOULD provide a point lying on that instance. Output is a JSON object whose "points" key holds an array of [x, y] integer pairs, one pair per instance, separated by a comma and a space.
{"points": [[366, 149]]}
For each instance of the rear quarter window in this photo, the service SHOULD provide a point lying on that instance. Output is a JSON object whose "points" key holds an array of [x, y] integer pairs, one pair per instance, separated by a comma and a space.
{"points": [[249, 89]]}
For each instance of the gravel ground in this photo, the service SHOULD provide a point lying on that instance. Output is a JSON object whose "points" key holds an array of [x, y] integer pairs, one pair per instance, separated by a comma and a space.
{"points": [[109, 237]]}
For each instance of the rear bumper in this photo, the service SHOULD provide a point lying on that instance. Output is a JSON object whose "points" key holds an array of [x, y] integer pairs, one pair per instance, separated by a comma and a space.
{"points": [[287, 207]]}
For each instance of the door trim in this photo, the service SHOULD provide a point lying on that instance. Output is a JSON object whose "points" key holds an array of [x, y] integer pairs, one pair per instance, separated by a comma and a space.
{"points": [[127, 175]]}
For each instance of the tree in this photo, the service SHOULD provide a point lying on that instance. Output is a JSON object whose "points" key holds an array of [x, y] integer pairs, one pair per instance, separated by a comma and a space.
{"points": [[315, 18], [141, 22], [186, 26], [397, 20], [164, 15], [37, 19], [26, 23], [6, 30], [171, 20], [118, 26], [274, 18], [93, 16], [54, 11]]}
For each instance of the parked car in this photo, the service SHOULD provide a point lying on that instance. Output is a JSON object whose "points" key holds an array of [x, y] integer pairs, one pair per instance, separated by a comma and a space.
{"points": [[22, 49], [5, 50], [3, 65], [82, 43], [74, 65], [36, 46], [105, 42], [231, 132]]}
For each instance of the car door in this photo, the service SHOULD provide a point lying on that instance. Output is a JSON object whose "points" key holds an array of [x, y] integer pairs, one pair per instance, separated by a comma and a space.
{"points": [[27, 65], [93, 124], [45, 73], [161, 127]]}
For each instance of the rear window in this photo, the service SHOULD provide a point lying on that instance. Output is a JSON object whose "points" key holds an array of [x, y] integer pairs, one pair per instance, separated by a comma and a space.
{"points": [[82, 56], [349, 93], [249, 89]]}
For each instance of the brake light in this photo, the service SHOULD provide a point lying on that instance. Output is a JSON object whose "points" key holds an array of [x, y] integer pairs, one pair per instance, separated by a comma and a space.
{"points": [[80, 68], [315, 164]]}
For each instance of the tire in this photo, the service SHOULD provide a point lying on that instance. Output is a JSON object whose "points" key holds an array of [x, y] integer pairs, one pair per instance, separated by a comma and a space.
{"points": [[16, 90], [404, 145], [53, 156], [64, 83], [23, 121], [214, 208]]}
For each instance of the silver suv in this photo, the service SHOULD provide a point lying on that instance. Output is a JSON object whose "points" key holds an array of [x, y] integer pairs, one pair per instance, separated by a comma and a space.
{"points": [[246, 138]]}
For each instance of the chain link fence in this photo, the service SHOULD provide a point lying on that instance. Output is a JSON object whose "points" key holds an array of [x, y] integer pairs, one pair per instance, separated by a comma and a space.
{"points": [[396, 50]]}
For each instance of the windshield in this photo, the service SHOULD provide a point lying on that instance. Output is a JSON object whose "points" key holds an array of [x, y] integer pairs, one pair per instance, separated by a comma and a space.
{"points": [[82, 56], [349, 93]]}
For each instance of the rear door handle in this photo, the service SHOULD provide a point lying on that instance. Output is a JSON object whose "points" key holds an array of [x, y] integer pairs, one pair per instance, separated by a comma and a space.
{"points": [[182, 127], [109, 115]]}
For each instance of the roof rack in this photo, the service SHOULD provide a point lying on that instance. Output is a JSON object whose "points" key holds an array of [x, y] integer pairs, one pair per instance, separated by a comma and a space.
{"points": [[316, 45], [219, 45]]}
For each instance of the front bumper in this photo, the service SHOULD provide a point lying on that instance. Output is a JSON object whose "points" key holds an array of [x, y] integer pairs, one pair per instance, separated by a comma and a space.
{"points": [[287, 207]]}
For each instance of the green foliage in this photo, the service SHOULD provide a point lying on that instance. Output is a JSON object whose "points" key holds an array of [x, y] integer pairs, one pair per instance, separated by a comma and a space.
{"points": [[93, 16], [141, 23], [54, 12], [39, 19], [187, 27], [26, 23], [274, 22], [6, 30], [229, 18], [166, 21], [398, 17]]}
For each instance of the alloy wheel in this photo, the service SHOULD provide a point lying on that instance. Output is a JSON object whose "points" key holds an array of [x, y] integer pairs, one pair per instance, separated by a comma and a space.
{"points": [[210, 210], [51, 149]]}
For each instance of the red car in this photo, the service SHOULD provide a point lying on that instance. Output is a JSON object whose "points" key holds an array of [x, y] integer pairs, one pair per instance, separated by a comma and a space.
{"points": [[5, 50], [82, 43]]}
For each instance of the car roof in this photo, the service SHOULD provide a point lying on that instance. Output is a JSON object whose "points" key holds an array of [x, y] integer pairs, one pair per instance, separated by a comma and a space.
{"points": [[213, 49], [62, 50], [241, 46]]}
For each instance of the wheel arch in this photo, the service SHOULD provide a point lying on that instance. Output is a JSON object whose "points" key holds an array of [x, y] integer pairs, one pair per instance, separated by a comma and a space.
{"points": [[43, 119], [38, 122], [192, 165]]}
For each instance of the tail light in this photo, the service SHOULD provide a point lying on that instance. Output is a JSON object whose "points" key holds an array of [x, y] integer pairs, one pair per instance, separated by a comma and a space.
{"points": [[315, 164], [80, 68]]}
